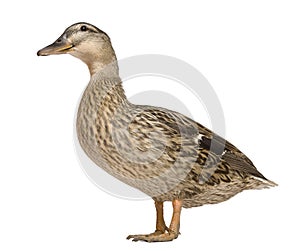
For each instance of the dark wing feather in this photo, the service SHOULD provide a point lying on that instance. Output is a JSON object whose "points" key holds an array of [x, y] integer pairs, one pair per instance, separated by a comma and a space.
{"points": [[241, 165]]}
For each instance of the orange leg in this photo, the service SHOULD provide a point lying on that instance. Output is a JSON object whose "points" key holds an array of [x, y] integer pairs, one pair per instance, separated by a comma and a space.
{"points": [[160, 234]]}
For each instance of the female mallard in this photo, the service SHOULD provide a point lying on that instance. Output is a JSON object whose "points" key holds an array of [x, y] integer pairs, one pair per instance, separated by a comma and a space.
{"points": [[163, 153]]}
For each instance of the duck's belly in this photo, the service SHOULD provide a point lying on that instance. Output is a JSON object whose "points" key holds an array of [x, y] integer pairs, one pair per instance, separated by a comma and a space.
{"points": [[153, 172]]}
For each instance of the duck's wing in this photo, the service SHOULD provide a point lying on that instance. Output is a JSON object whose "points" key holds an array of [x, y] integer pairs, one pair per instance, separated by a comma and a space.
{"points": [[210, 145]]}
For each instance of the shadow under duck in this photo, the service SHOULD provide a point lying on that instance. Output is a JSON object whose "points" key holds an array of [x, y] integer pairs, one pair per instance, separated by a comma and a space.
{"points": [[163, 153]]}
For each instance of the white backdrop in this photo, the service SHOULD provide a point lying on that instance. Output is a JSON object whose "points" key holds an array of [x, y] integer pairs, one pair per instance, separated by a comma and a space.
{"points": [[248, 50]]}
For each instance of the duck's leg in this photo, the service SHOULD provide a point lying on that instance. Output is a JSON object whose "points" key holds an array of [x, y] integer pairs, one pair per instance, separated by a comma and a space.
{"points": [[160, 234], [160, 222]]}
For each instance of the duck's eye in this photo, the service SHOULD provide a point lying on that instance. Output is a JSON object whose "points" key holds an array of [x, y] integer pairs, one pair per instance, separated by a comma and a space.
{"points": [[83, 28]]}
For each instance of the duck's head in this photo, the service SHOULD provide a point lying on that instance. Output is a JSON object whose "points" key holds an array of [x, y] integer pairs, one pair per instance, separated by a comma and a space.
{"points": [[86, 42]]}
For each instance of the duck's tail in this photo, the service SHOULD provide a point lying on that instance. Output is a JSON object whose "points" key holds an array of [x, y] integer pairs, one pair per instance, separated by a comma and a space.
{"points": [[259, 183], [271, 183]]}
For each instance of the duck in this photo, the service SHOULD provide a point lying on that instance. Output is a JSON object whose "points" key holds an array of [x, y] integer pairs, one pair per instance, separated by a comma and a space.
{"points": [[163, 153]]}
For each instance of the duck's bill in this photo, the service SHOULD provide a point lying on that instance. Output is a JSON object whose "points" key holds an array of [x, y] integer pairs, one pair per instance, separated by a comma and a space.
{"points": [[60, 46]]}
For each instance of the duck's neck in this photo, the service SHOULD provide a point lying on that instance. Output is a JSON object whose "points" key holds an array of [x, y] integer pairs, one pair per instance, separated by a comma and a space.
{"points": [[104, 86], [104, 69]]}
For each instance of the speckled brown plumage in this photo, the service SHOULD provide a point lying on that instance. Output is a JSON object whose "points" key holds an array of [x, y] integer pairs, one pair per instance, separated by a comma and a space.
{"points": [[163, 153]]}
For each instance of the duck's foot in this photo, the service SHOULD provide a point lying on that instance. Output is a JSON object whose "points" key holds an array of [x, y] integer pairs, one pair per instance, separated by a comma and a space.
{"points": [[162, 233], [157, 236]]}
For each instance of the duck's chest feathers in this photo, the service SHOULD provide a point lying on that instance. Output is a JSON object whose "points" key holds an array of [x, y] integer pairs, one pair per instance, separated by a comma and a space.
{"points": [[101, 115]]}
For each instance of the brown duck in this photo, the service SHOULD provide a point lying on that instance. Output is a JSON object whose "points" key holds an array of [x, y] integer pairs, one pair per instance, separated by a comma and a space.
{"points": [[164, 154]]}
